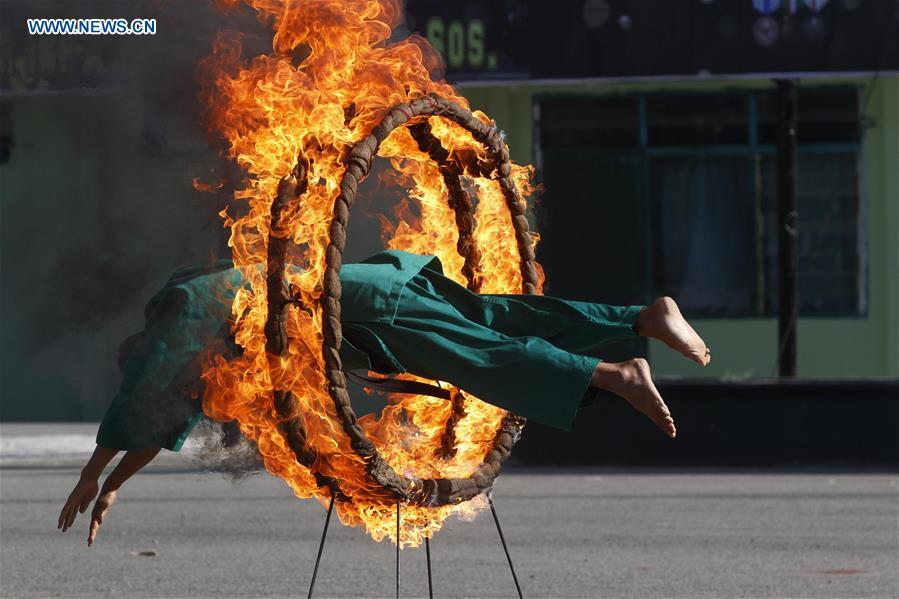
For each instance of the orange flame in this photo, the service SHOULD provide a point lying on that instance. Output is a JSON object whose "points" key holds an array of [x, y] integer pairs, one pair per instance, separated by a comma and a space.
{"points": [[329, 80], [207, 187]]}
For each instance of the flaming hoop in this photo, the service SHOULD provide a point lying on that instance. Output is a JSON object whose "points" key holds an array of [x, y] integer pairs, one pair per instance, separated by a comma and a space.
{"points": [[323, 122], [432, 491]]}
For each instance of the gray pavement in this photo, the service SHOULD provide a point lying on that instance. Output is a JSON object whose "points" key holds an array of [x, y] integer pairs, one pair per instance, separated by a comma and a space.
{"points": [[572, 534]]}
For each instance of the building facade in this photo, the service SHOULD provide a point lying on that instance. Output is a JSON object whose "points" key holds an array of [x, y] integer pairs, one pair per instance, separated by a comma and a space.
{"points": [[668, 187]]}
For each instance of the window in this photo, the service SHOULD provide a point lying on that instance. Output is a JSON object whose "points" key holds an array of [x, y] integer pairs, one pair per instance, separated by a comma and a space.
{"points": [[675, 194]]}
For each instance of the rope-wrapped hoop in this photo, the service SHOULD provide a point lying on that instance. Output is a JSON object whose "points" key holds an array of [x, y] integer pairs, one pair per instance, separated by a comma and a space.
{"points": [[440, 491]]}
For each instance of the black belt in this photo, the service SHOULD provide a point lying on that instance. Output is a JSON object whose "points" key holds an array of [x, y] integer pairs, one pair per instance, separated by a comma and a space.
{"points": [[398, 386]]}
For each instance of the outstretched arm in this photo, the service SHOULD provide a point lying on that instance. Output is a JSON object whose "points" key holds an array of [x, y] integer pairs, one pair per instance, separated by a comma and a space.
{"points": [[132, 462], [86, 488]]}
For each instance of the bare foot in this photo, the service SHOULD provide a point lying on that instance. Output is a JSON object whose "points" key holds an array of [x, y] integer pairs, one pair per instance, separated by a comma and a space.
{"points": [[632, 381], [663, 321]]}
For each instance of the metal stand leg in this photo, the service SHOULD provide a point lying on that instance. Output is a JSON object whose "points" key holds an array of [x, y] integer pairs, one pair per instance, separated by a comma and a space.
{"points": [[397, 550], [321, 547], [505, 547], [428, 557]]}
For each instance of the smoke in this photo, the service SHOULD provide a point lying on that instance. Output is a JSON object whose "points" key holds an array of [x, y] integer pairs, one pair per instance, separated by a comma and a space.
{"points": [[101, 141], [218, 447]]}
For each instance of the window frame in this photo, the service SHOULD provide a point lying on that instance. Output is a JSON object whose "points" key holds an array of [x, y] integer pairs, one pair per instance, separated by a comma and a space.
{"points": [[753, 151]]}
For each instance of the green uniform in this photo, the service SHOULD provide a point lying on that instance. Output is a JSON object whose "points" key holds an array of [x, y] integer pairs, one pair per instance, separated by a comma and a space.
{"points": [[531, 355]]}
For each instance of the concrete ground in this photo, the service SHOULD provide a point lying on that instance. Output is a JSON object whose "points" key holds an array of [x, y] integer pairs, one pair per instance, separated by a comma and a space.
{"points": [[571, 534]]}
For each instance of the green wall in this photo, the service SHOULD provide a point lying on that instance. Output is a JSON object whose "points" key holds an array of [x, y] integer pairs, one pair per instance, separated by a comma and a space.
{"points": [[827, 347], [94, 218]]}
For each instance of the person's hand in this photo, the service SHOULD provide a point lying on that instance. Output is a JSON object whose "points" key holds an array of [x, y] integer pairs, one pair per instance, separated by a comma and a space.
{"points": [[79, 500], [101, 507]]}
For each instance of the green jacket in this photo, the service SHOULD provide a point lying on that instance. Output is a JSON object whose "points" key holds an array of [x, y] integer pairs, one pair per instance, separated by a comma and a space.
{"points": [[158, 403]]}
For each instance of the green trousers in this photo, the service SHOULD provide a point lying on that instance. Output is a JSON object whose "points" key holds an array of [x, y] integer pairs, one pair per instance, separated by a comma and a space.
{"points": [[531, 355]]}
